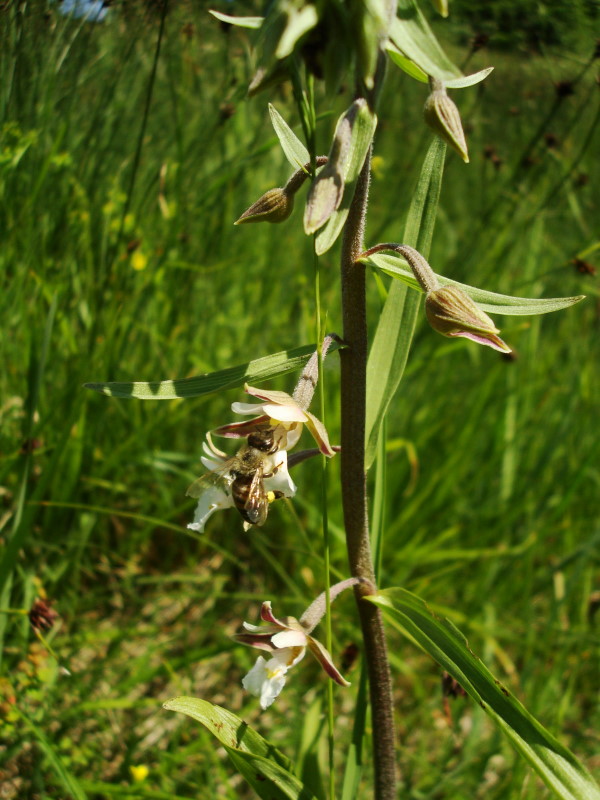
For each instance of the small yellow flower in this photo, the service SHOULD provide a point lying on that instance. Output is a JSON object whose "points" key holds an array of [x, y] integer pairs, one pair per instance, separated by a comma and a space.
{"points": [[139, 772], [378, 166], [139, 260]]}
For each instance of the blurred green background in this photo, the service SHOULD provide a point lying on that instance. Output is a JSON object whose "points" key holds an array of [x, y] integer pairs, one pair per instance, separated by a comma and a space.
{"points": [[118, 189]]}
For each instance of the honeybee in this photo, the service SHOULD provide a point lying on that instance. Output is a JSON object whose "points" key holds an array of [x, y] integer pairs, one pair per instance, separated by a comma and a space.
{"points": [[243, 476]]}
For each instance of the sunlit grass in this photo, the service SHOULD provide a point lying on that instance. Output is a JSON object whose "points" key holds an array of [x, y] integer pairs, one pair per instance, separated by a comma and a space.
{"points": [[493, 478]]}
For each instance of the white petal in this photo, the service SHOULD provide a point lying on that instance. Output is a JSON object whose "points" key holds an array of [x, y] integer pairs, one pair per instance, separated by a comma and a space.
{"points": [[265, 680], [210, 463], [212, 499], [254, 628], [247, 408], [290, 434], [289, 656], [281, 480], [289, 639], [213, 452], [284, 413]]}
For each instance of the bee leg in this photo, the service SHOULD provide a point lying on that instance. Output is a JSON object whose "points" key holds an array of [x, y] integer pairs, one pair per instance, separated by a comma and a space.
{"points": [[274, 471]]}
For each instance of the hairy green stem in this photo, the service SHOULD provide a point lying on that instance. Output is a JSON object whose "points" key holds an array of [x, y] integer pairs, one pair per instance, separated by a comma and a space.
{"points": [[354, 490]]}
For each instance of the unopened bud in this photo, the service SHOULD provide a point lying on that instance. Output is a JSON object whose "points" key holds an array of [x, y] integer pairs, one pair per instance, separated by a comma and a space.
{"points": [[441, 114], [42, 616], [451, 312], [441, 6], [276, 205]]}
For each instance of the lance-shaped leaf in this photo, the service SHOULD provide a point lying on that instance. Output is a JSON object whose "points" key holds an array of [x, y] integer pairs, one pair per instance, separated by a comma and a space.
{"points": [[261, 369], [411, 37], [286, 22], [468, 80], [396, 325], [554, 763], [491, 302], [240, 22], [330, 196], [265, 768], [299, 21], [295, 152], [371, 22]]}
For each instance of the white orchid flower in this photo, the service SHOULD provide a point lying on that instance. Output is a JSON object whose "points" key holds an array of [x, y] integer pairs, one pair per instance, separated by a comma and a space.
{"points": [[214, 491], [287, 639], [284, 414]]}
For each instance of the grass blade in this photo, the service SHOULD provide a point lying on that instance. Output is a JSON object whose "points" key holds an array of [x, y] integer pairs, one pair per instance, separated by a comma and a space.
{"points": [[394, 333], [69, 782], [554, 763]]}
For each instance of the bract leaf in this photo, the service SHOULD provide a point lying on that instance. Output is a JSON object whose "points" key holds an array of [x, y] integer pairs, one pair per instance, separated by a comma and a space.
{"points": [[468, 80], [295, 152], [490, 302], [412, 37], [555, 764], [397, 321], [265, 768], [299, 22], [240, 22], [406, 64], [353, 136], [260, 369]]}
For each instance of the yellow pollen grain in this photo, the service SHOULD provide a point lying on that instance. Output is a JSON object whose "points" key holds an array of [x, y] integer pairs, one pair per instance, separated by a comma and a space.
{"points": [[275, 673]]}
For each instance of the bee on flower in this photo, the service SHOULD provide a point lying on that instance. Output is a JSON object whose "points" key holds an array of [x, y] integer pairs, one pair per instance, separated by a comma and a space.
{"points": [[258, 473]]}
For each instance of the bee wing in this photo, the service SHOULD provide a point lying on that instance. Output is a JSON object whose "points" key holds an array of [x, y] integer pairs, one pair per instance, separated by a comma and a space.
{"points": [[257, 503], [216, 477]]}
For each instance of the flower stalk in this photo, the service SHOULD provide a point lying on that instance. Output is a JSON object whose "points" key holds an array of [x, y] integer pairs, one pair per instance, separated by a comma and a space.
{"points": [[354, 490]]}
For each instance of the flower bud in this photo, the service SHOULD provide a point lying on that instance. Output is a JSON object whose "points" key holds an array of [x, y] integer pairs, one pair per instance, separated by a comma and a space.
{"points": [[441, 6], [451, 312], [276, 205], [441, 114]]}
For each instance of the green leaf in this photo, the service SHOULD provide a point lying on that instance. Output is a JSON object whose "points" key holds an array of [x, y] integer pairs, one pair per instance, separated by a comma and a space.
{"points": [[406, 64], [261, 369], [395, 329], [240, 22], [468, 80], [295, 152], [265, 768], [353, 136], [554, 763], [488, 301], [411, 36], [299, 21], [355, 758]]}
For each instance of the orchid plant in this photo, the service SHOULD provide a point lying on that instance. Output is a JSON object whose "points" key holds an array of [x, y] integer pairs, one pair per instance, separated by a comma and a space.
{"points": [[306, 43]]}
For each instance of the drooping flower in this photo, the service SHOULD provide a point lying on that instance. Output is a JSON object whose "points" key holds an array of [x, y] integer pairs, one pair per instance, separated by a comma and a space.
{"points": [[283, 413], [258, 473], [215, 492], [442, 115], [451, 312], [286, 639], [449, 309]]}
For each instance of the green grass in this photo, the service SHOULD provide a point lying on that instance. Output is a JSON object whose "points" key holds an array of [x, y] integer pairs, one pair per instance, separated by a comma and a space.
{"points": [[493, 480]]}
